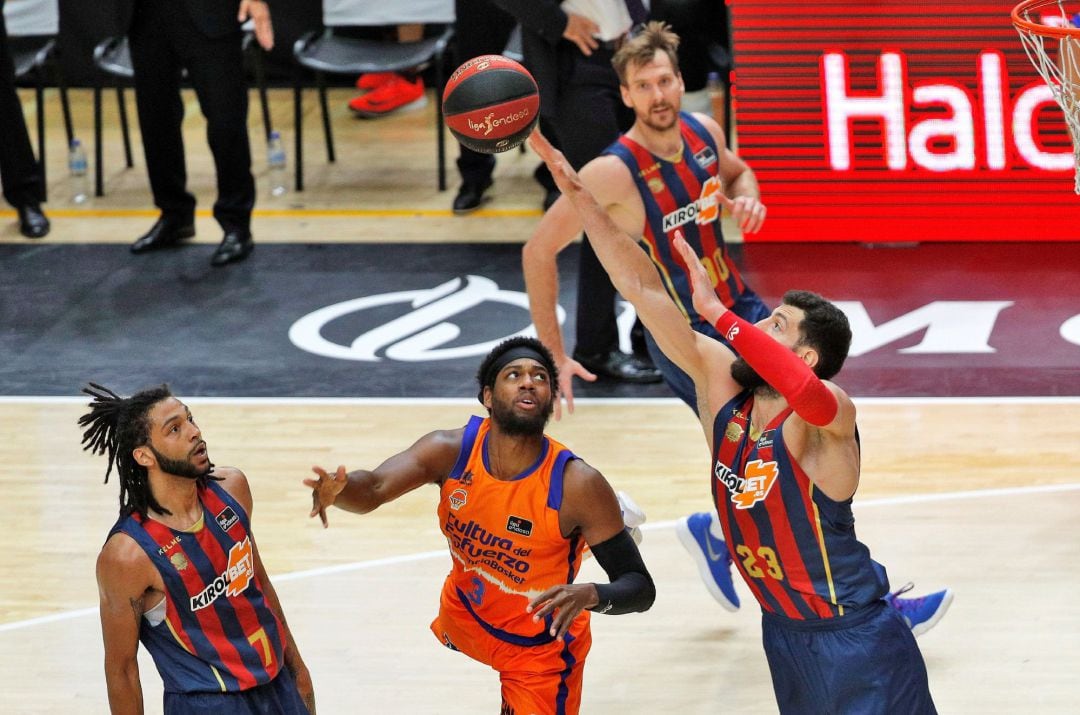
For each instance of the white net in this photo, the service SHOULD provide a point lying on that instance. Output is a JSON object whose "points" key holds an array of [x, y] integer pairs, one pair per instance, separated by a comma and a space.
{"points": [[1051, 37]]}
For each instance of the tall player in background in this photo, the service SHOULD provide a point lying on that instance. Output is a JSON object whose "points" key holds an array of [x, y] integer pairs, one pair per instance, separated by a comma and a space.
{"points": [[671, 173], [785, 466], [181, 573], [517, 509]]}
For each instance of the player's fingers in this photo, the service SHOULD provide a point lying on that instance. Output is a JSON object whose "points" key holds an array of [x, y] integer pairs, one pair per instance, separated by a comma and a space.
{"points": [[752, 221], [323, 518], [540, 144]]}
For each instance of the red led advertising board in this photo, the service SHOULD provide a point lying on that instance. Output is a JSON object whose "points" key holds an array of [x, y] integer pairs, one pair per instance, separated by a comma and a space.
{"points": [[899, 121]]}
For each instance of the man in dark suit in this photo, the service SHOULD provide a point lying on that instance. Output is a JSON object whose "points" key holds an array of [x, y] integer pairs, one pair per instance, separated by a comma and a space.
{"points": [[204, 38], [20, 173]]}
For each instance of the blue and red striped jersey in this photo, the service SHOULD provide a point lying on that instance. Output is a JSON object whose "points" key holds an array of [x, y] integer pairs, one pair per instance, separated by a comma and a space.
{"points": [[795, 547], [683, 196], [219, 633]]}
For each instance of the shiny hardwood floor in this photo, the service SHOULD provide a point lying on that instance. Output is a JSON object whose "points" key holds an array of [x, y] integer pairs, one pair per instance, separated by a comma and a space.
{"points": [[968, 495], [980, 496]]}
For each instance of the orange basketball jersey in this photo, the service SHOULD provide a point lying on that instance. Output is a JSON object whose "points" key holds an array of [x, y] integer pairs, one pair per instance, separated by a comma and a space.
{"points": [[504, 538]]}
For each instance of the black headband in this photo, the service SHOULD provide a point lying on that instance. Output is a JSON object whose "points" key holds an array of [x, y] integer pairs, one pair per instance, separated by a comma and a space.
{"points": [[515, 353]]}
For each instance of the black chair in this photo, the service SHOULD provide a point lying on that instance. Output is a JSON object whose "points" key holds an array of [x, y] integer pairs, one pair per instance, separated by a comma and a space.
{"points": [[35, 58], [112, 57], [327, 52]]}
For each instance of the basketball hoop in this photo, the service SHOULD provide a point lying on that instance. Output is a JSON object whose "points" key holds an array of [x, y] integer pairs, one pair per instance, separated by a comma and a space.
{"points": [[1050, 33]]}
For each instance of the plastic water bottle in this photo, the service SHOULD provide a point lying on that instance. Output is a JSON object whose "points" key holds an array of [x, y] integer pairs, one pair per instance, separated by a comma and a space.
{"points": [[715, 91], [275, 158], [80, 188]]}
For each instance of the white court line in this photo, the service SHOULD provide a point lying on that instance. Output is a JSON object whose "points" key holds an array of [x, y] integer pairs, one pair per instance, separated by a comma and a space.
{"points": [[656, 526], [625, 401]]}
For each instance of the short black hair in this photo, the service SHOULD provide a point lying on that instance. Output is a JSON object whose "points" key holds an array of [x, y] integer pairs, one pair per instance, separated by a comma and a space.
{"points": [[825, 328], [485, 375]]}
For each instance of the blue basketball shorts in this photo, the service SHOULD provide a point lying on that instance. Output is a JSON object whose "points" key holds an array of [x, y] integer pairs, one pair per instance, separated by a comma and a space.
{"points": [[278, 697], [864, 662]]}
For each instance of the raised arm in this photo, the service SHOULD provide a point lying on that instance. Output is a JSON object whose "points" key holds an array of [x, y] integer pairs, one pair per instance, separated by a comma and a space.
{"points": [[821, 437], [427, 461], [631, 271], [591, 509], [559, 226], [124, 576]]}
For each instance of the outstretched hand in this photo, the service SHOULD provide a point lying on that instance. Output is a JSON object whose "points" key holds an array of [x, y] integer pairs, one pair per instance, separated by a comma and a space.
{"points": [[325, 490], [565, 601], [568, 370], [706, 303]]}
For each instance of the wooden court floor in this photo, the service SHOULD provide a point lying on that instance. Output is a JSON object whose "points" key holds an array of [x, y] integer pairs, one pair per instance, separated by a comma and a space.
{"points": [[980, 496]]}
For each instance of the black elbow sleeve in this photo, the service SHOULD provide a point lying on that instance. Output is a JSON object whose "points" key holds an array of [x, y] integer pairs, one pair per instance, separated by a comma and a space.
{"points": [[631, 588]]}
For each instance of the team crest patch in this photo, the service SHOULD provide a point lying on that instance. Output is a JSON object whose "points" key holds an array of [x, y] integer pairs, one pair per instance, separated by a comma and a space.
{"points": [[656, 184], [227, 518], [517, 525], [705, 157], [733, 432], [457, 498], [179, 561]]}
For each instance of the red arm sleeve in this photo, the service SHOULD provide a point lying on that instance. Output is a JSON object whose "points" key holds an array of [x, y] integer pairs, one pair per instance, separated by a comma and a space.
{"points": [[808, 396]]}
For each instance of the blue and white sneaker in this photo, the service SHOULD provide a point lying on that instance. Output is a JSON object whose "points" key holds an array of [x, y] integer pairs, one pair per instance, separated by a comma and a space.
{"points": [[711, 556], [921, 614]]}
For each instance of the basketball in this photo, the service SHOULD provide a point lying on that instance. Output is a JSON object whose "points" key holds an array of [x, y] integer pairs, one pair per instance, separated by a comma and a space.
{"points": [[491, 104]]}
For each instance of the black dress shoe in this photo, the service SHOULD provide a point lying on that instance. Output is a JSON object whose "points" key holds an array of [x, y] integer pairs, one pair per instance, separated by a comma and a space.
{"points": [[32, 221], [234, 247], [164, 232], [619, 366], [470, 196]]}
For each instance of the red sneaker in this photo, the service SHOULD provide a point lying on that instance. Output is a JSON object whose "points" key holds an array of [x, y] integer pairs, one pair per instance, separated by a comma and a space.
{"points": [[373, 80], [399, 93]]}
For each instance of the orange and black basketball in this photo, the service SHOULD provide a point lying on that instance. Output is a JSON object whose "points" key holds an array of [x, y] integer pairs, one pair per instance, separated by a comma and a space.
{"points": [[491, 103]]}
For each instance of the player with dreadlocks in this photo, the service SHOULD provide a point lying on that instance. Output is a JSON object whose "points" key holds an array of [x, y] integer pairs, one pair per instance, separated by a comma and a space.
{"points": [[180, 570]]}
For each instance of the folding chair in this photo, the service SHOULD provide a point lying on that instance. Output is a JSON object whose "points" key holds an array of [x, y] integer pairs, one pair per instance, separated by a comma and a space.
{"points": [[36, 24], [330, 52], [112, 57]]}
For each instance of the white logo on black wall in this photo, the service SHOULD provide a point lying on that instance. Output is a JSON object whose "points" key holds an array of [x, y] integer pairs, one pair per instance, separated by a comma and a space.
{"points": [[420, 334]]}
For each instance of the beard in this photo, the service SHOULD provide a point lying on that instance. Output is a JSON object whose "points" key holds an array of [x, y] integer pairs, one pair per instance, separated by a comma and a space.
{"points": [[530, 425], [653, 123], [180, 467], [749, 379]]}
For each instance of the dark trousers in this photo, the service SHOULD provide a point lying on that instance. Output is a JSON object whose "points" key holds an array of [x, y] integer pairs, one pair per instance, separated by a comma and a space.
{"points": [[481, 29], [164, 40], [20, 174], [484, 29], [590, 116]]}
